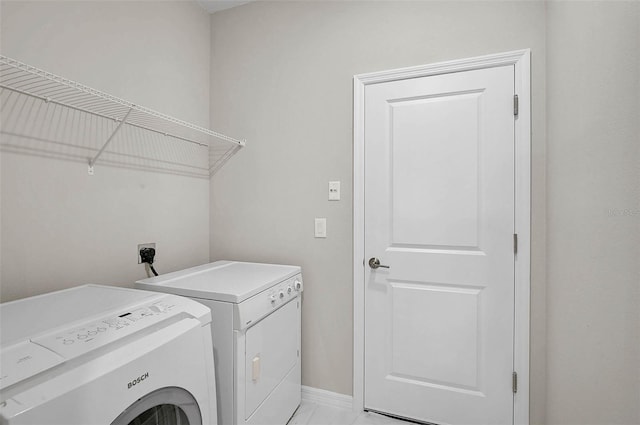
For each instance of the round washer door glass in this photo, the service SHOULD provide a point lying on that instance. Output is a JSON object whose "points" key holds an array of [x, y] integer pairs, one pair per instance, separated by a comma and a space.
{"points": [[166, 406]]}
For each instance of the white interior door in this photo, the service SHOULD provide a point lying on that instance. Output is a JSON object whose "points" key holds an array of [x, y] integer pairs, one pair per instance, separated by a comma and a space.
{"points": [[439, 211]]}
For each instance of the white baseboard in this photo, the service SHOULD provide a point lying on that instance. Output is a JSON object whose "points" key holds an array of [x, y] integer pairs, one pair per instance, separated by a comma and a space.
{"points": [[327, 398]]}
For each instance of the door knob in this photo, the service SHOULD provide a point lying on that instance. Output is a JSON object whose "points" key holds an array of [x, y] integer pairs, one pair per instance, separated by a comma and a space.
{"points": [[374, 263]]}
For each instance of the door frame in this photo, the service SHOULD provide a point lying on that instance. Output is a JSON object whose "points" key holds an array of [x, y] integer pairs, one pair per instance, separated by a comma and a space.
{"points": [[521, 61]]}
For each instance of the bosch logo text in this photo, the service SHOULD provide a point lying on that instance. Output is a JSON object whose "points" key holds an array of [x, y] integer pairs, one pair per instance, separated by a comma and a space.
{"points": [[137, 380]]}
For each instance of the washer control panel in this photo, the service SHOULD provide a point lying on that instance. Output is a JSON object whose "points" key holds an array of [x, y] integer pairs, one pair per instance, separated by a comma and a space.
{"points": [[32, 355], [260, 305], [78, 340]]}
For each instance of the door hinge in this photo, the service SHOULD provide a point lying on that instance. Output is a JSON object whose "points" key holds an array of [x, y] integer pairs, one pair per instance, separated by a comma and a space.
{"points": [[514, 382], [515, 243], [515, 105]]}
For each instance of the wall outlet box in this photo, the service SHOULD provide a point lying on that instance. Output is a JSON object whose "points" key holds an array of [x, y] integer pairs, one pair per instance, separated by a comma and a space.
{"points": [[145, 245]]}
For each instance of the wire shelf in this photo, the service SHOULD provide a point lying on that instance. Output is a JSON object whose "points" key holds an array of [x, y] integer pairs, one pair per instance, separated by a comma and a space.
{"points": [[48, 115]]}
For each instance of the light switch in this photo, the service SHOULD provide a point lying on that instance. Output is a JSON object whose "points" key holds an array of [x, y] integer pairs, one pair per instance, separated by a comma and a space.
{"points": [[334, 191], [321, 228]]}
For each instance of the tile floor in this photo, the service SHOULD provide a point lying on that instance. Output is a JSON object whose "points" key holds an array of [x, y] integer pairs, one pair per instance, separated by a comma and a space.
{"points": [[310, 413]]}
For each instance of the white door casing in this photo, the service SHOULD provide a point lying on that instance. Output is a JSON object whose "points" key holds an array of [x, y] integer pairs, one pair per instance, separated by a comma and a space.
{"points": [[457, 265]]}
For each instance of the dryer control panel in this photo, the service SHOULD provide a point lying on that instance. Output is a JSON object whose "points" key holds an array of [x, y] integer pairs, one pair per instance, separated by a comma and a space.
{"points": [[260, 305]]}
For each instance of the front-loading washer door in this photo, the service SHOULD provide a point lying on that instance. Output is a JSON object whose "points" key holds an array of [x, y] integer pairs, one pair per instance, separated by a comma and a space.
{"points": [[166, 406], [271, 351]]}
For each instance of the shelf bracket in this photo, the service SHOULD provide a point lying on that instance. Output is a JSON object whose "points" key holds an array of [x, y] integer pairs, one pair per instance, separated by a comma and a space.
{"points": [[93, 160]]}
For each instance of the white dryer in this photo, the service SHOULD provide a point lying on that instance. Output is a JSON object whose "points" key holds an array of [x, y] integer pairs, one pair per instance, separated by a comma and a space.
{"points": [[256, 335], [106, 355]]}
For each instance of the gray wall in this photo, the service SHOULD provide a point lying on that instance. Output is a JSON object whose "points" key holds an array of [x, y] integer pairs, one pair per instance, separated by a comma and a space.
{"points": [[282, 77], [593, 175], [61, 227]]}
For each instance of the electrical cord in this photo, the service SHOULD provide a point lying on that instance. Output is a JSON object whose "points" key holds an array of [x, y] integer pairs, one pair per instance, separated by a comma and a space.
{"points": [[149, 269], [147, 255]]}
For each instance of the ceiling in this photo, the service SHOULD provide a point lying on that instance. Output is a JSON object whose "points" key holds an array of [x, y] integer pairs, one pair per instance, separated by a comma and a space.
{"points": [[213, 6]]}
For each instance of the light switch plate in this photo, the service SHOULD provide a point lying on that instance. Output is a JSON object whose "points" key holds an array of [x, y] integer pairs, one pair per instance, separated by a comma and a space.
{"points": [[320, 227], [334, 191]]}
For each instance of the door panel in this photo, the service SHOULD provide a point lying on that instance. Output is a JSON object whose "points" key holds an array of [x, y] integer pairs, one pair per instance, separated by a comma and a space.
{"points": [[422, 159], [424, 308], [439, 210]]}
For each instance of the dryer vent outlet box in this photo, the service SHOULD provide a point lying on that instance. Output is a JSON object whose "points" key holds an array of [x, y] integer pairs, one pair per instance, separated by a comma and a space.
{"points": [[145, 245]]}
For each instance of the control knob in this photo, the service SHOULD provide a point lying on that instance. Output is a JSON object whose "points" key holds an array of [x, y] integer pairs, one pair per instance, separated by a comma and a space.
{"points": [[289, 290], [281, 294], [273, 299], [297, 285]]}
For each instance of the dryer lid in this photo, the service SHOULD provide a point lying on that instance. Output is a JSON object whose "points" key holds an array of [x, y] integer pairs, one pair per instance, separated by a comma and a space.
{"points": [[229, 281]]}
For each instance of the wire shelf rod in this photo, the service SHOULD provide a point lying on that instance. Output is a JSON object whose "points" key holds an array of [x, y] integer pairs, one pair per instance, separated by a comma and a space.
{"points": [[106, 116], [55, 102], [145, 111], [104, 112], [52, 91], [21, 79], [95, 158]]}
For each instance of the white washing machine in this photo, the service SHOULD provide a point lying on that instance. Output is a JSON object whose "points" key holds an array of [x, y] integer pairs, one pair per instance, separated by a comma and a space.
{"points": [[106, 355], [256, 335]]}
